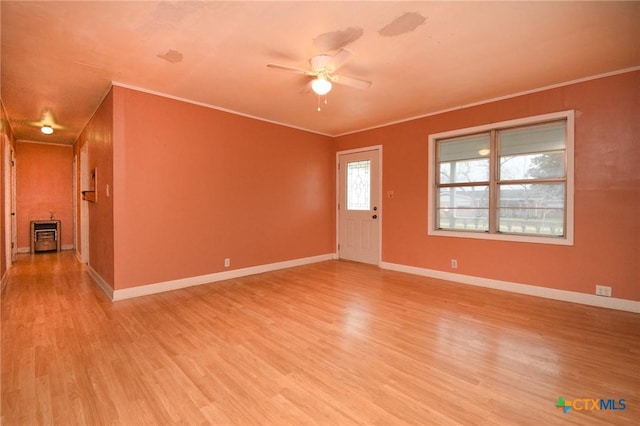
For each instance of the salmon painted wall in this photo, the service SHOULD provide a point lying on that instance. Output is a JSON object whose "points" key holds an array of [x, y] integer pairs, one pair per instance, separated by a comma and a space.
{"points": [[607, 192], [98, 137], [44, 174], [193, 186]]}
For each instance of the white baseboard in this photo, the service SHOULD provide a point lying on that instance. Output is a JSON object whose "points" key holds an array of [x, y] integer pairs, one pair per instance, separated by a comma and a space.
{"points": [[144, 290], [28, 249], [531, 290], [104, 286]]}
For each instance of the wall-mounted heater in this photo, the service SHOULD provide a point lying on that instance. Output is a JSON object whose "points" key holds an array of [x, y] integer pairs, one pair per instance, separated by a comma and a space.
{"points": [[45, 235]]}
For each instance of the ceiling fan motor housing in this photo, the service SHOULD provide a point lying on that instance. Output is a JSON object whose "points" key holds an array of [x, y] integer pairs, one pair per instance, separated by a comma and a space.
{"points": [[320, 64]]}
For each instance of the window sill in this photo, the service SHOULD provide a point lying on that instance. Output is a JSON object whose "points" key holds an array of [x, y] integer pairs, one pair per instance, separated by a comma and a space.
{"points": [[529, 239]]}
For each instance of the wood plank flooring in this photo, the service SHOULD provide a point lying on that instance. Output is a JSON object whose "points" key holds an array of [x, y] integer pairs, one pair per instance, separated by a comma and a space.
{"points": [[333, 343]]}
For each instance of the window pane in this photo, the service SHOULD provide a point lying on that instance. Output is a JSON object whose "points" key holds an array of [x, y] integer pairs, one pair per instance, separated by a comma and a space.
{"points": [[465, 171], [533, 139], [358, 185], [464, 159], [536, 209], [532, 166], [465, 148], [464, 208]]}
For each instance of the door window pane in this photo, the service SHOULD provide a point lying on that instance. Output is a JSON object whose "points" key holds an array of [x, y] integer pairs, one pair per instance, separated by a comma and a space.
{"points": [[359, 185]]}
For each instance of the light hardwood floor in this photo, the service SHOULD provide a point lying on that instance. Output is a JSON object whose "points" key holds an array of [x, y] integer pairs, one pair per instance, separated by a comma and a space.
{"points": [[333, 343]]}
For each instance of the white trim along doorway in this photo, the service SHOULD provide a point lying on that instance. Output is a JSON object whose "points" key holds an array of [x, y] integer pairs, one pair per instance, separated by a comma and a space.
{"points": [[359, 209], [9, 170]]}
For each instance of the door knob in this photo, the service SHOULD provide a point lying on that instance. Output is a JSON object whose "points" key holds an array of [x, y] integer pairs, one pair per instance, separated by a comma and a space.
{"points": [[375, 216]]}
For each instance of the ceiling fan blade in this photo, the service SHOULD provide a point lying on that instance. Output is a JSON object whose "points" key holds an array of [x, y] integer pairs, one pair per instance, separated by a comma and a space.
{"points": [[340, 58], [351, 82], [289, 69]]}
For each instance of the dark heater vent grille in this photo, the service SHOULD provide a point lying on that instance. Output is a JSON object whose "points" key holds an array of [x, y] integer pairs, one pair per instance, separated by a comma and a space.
{"points": [[45, 235]]}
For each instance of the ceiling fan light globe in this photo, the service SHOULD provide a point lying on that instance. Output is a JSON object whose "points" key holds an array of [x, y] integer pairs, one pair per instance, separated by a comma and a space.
{"points": [[46, 129], [321, 86]]}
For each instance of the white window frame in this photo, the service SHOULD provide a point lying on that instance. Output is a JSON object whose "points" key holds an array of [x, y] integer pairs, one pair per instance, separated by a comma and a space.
{"points": [[567, 240]]}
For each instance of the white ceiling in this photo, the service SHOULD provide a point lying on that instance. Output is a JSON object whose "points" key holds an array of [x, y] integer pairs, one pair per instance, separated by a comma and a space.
{"points": [[422, 57]]}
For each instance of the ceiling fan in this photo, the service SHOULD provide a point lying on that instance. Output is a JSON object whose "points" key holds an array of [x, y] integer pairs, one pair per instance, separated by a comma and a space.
{"points": [[323, 68]]}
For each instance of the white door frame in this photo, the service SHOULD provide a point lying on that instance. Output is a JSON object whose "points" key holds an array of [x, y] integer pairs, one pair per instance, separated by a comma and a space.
{"points": [[379, 183], [74, 186], [83, 247], [14, 206], [9, 201]]}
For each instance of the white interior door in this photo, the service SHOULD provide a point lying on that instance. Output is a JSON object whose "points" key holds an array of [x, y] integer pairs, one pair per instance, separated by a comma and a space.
{"points": [[359, 212]]}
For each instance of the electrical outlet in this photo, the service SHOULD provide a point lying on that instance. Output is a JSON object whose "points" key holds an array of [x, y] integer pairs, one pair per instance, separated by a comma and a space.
{"points": [[454, 263], [603, 290], [227, 262]]}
